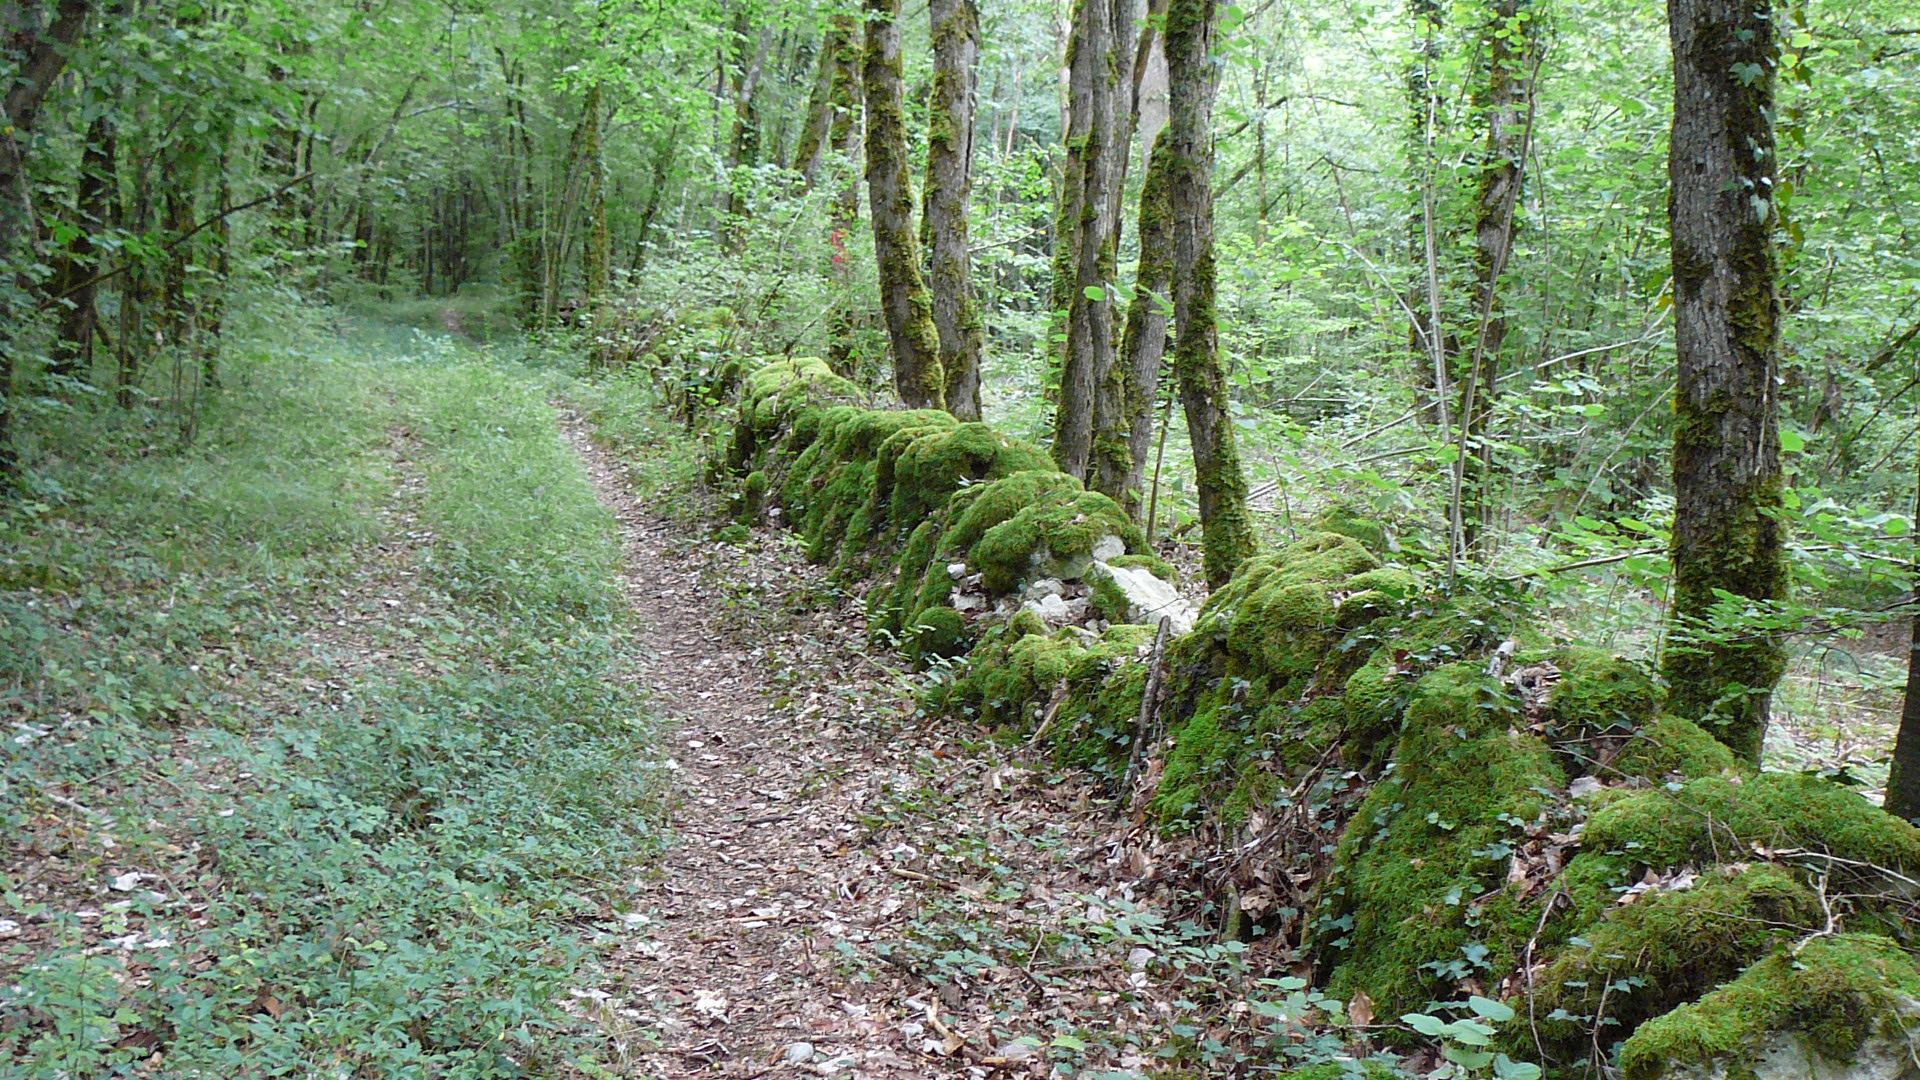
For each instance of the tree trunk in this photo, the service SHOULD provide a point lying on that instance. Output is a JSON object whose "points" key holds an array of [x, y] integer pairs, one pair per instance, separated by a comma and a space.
{"points": [[1726, 447], [844, 134], [1224, 520], [1425, 341], [596, 265], [42, 55], [662, 164], [956, 48], [1504, 101], [1143, 345], [820, 106], [74, 285], [903, 292], [1903, 779], [1099, 82]]}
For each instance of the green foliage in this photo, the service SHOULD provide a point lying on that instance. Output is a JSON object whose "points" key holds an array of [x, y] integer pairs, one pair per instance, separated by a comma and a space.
{"points": [[398, 870]]}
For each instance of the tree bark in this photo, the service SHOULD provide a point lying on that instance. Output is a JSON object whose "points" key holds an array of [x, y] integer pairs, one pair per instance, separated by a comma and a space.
{"points": [[1226, 525], [1430, 354], [956, 49], [904, 299], [820, 106], [596, 266], [1099, 85], [1903, 778], [844, 135], [43, 55], [1726, 448], [1504, 102]]}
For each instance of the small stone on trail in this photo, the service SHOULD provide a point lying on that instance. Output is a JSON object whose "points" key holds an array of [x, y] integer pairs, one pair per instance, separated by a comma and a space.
{"points": [[797, 1053]]}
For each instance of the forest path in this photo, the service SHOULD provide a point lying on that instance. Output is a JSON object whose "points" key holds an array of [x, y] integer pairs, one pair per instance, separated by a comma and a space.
{"points": [[804, 858]]}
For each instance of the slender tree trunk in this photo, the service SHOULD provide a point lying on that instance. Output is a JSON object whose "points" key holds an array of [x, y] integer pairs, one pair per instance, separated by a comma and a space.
{"points": [[1227, 526], [596, 266], [1143, 346], [1505, 102], [42, 54], [1726, 451], [903, 292], [73, 284], [956, 48], [749, 58], [1099, 80], [844, 134], [1429, 356], [1903, 779], [662, 165], [820, 109]]}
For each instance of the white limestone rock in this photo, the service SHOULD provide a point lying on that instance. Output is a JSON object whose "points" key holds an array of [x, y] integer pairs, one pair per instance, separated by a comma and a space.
{"points": [[1148, 597]]}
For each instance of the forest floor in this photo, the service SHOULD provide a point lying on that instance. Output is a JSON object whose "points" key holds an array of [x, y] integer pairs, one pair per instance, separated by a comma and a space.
{"points": [[850, 890]]}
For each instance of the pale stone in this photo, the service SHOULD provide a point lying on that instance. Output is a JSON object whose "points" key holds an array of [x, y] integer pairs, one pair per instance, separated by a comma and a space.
{"points": [[1108, 548], [1148, 597], [956, 571]]}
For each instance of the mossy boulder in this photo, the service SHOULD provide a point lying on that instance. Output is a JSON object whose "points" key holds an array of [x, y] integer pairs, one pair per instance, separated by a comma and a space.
{"points": [[1601, 693], [1673, 747], [1418, 899], [1343, 519], [1662, 951], [939, 633], [1837, 1008]]}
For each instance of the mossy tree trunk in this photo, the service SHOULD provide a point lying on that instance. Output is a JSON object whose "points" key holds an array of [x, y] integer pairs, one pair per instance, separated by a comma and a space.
{"points": [[817, 126], [1505, 99], [1726, 450], [956, 50], [1099, 85], [1903, 779], [42, 54], [748, 60], [662, 166], [1143, 348], [596, 263], [1222, 487], [843, 134], [904, 299]]}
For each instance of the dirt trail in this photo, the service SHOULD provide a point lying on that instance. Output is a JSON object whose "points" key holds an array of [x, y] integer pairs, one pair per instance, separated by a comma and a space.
{"points": [[818, 828]]}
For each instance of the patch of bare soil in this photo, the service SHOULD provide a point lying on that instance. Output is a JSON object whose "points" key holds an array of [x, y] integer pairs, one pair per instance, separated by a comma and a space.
{"points": [[851, 889]]}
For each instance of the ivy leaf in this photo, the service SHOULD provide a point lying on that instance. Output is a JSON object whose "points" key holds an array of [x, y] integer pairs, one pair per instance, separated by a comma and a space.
{"points": [[1095, 293]]}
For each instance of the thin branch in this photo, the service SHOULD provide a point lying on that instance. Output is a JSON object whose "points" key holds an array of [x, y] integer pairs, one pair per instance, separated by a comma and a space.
{"points": [[178, 240]]}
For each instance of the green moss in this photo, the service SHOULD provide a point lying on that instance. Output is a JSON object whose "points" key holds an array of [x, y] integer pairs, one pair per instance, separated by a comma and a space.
{"points": [[939, 632], [1345, 520], [1374, 699], [1713, 817], [1278, 613], [1050, 536], [1672, 746], [1110, 601], [1600, 693], [1835, 992], [987, 506], [753, 498], [1096, 724], [897, 599], [1152, 564], [1409, 907], [934, 465], [1663, 951]]}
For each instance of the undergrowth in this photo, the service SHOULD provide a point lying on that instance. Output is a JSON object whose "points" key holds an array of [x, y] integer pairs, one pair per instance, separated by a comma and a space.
{"points": [[253, 835]]}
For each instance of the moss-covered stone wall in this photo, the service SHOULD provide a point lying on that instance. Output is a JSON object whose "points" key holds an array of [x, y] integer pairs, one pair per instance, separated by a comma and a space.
{"points": [[1438, 814]]}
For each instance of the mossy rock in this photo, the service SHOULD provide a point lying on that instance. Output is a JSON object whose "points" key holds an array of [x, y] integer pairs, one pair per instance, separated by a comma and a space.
{"points": [[1666, 949], [939, 633], [938, 463], [1050, 537], [975, 510], [1010, 675], [1601, 693], [1715, 818], [1841, 1006], [1674, 746], [1346, 521], [1278, 614], [752, 500], [1417, 899], [1095, 727], [1152, 564]]}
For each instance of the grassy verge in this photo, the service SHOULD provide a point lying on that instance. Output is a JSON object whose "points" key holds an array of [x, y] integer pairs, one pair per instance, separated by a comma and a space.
{"points": [[320, 752]]}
